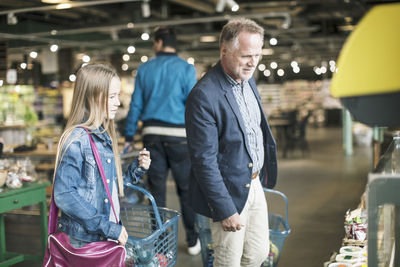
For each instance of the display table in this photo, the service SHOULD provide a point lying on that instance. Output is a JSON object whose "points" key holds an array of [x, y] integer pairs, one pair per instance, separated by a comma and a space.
{"points": [[10, 199]]}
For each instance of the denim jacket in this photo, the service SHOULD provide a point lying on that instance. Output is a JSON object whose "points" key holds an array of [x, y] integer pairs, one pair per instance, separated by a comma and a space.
{"points": [[79, 191]]}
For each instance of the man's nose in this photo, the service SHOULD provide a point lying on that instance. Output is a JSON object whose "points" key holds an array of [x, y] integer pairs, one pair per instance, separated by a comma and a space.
{"points": [[253, 61]]}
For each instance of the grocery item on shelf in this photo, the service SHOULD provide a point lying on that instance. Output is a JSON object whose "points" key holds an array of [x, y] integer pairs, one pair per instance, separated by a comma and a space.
{"points": [[356, 224], [340, 264], [349, 258], [352, 250]]}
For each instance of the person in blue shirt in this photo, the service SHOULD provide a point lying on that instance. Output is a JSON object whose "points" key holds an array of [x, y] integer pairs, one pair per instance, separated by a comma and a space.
{"points": [[86, 213], [161, 87]]}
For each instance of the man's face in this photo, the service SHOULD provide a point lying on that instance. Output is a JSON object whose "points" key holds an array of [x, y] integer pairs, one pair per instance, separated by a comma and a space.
{"points": [[240, 60]]}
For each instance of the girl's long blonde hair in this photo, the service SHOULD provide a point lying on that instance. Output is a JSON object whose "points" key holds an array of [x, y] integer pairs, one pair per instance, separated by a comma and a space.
{"points": [[90, 110]]}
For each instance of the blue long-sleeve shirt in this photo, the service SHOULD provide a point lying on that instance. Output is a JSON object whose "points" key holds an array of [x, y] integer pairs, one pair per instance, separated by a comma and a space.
{"points": [[161, 89]]}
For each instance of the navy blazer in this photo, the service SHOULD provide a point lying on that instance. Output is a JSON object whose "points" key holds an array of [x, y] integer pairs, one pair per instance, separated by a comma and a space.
{"points": [[220, 154]]}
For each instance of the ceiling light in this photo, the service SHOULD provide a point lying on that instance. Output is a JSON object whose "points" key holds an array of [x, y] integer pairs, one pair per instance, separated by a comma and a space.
{"points": [[287, 22], [235, 8], [273, 65], [126, 57], [273, 41], [114, 35], [124, 67], [53, 32], [144, 59], [190, 60], [281, 72], [53, 48], [323, 69], [33, 54], [347, 28], [294, 64], [23, 65], [348, 19], [146, 9], [130, 25], [53, 1], [208, 38], [72, 77], [230, 3], [11, 19], [63, 6], [317, 70], [332, 63], [220, 6], [267, 73], [145, 36], [86, 58], [296, 69], [261, 67], [131, 49]]}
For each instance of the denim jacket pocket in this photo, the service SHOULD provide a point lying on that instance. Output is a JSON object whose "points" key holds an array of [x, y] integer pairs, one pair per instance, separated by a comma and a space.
{"points": [[90, 170]]}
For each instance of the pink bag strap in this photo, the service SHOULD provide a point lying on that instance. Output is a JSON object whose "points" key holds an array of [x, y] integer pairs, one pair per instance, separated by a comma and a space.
{"points": [[53, 211]]}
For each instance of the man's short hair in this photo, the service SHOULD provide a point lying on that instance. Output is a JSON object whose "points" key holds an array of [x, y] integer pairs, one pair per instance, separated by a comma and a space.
{"points": [[234, 27], [167, 35]]}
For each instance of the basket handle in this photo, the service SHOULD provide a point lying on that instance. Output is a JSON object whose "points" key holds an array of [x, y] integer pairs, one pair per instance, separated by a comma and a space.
{"points": [[284, 198], [153, 204]]}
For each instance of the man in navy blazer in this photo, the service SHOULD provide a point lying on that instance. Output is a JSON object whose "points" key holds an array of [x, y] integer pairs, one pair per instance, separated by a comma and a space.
{"points": [[232, 150]]}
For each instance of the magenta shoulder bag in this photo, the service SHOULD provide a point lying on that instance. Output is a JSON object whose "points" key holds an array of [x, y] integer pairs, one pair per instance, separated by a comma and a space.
{"points": [[59, 252]]}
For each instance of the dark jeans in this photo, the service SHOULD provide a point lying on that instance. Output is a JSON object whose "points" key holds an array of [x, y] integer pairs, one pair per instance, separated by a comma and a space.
{"points": [[166, 153]]}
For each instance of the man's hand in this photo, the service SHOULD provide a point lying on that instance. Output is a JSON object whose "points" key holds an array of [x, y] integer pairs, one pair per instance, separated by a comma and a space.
{"points": [[144, 159], [123, 236], [232, 223]]}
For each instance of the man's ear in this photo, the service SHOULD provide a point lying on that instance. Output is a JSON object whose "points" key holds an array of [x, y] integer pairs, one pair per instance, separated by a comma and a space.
{"points": [[224, 50]]}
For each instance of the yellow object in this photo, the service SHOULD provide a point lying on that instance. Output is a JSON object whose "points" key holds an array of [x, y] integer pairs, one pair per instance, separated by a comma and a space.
{"points": [[369, 61]]}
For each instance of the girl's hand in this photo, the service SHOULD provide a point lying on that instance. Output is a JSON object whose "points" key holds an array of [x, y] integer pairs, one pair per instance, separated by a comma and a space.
{"points": [[144, 159]]}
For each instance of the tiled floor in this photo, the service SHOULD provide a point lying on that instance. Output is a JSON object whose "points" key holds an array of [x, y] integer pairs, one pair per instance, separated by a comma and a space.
{"points": [[320, 187]]}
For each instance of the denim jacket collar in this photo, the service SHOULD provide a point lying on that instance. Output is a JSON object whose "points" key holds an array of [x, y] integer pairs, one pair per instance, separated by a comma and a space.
{"points": [[101, 134]]}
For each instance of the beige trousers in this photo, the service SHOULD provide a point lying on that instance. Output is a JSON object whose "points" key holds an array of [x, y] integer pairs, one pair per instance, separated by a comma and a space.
{"points": [[249, 246]]}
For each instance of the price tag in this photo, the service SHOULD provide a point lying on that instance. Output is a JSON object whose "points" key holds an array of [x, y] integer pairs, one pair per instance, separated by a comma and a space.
{"points": [[11, 77]]}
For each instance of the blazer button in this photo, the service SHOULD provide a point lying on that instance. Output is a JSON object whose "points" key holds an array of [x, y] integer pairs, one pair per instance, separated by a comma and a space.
{"points": [[108, 160], [106, 200], [250, 165], [247, 185]]}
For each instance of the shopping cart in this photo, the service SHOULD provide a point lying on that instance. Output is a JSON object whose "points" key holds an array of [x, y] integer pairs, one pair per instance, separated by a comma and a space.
{"points": [[278, 231], [153, 233]]}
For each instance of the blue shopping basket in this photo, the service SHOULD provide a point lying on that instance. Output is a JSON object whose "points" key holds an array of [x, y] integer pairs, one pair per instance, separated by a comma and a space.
{"points": [[153, 233], [278, 231]]}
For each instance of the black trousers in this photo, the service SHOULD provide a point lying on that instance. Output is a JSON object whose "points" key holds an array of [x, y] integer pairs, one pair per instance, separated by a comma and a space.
{"points": [[166, 153]]}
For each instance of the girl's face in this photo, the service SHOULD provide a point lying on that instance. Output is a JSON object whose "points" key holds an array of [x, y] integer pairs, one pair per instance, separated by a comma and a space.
{"points": [[113, 97]]}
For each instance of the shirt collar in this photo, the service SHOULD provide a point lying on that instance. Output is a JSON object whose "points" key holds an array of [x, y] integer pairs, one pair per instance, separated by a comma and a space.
{"points": [[166, 54], [232, 81]]}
